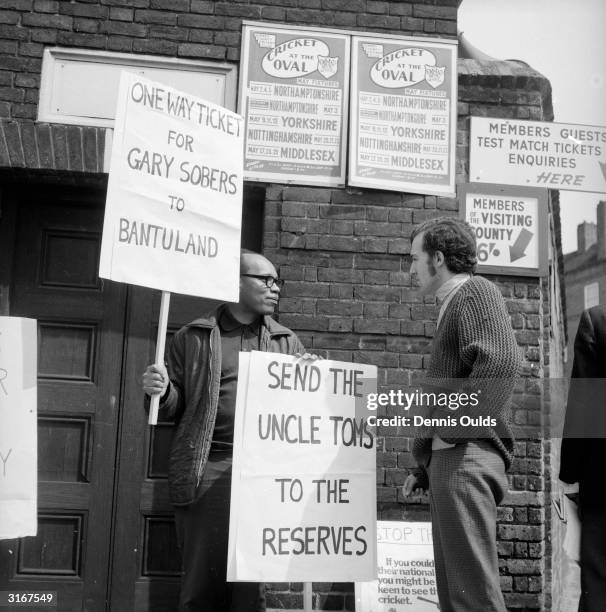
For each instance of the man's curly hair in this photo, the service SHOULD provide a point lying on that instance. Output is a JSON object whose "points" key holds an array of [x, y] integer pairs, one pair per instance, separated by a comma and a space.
{"points": [[454, 238]]}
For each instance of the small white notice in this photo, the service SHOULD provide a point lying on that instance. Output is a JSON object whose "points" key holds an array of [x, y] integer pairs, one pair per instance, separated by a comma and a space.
{"points": [[407, 577]]}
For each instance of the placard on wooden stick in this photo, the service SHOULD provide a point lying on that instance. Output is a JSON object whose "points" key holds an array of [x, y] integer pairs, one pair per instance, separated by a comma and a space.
{"points": [[174, 199]]}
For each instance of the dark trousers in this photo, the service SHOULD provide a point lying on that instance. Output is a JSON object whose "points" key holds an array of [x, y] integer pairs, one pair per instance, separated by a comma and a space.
{"points": [[593, 556], [203, 532], [466, 483]]}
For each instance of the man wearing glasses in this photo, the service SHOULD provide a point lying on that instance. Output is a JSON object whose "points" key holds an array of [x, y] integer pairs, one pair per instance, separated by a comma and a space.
{"points": [[198, 391]]}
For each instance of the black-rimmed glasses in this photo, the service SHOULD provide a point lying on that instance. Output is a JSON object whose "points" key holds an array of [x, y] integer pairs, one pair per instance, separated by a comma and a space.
{"points": [[268, 279]]}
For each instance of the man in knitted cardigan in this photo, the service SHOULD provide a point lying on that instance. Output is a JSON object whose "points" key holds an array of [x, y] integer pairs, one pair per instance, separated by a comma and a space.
{"points": [[463, 458]]}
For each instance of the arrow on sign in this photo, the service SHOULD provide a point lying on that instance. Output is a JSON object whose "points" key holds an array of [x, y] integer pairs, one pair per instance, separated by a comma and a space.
{"points": [[519, 246], [603, 169]]}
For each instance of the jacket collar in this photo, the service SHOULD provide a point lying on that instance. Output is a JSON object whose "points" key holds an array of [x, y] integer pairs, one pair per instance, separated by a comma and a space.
{"points": [[273, 327]]}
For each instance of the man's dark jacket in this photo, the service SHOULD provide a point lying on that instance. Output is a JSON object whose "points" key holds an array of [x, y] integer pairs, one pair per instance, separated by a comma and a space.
{"points": [[584, 443], [194, 367]]}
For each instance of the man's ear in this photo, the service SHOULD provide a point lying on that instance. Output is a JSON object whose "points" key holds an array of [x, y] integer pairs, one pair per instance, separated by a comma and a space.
{"points": [[438, 259]]}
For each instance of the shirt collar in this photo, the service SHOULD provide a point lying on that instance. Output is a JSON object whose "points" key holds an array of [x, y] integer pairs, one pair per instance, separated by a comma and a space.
{"points": [[452, 284], [228, 323]]}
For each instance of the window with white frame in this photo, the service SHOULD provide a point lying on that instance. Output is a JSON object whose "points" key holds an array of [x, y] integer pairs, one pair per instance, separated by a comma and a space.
{"points": [[80, 86]]}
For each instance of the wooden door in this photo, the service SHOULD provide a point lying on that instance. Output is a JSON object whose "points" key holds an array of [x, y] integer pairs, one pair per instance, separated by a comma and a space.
{"points": [[52, 268], [147, 564]]}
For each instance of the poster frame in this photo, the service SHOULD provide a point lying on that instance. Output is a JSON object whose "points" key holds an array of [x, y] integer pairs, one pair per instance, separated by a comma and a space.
{"points": [[339, 181], [423, 188]]}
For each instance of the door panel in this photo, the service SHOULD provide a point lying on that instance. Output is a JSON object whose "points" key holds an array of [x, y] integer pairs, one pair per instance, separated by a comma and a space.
{"points": [[146, 553], [80, 343]]}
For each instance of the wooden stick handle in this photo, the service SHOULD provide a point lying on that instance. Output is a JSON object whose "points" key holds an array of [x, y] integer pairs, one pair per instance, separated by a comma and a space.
{"points": [[160, 345], [308, 597]]}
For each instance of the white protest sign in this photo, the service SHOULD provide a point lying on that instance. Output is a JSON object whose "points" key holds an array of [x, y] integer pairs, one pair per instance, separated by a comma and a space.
{"points": [[407, 579], [18, 427], [538, 154], [510, 225], [303, 505], [174, 197]]}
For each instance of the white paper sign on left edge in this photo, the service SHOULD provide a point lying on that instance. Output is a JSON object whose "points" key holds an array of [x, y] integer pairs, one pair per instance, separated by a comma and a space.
{"points": [[18, 430], [174, 197]]}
